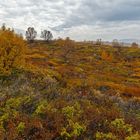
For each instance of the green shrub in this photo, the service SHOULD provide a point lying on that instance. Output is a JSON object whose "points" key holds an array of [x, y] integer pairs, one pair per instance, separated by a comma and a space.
{"points": [[120, 125], [75, 130], [133, 137], [103, 136], [21, 127], [68, 111]]}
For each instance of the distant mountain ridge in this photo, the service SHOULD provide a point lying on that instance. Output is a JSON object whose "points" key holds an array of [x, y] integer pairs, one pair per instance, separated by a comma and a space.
{"points": [[129, 41]]}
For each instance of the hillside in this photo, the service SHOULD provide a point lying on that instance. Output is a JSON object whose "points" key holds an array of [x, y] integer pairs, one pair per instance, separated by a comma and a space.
{"points": [[72, 91], [115, 70]]}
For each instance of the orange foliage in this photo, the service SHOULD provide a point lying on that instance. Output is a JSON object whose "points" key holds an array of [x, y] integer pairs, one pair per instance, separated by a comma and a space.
{"points": [[12, 49], [134, 91], [106, 56]]}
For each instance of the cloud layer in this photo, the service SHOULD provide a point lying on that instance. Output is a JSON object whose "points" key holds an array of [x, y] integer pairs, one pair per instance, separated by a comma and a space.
{"points": [[79, 19]]}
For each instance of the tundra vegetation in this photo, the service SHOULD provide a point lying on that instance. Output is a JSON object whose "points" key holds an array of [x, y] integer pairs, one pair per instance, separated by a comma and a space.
{"points": [[68, 90]]}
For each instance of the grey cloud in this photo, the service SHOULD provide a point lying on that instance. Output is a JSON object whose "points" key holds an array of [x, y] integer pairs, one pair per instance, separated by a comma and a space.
{"points": [[93, 12], [62, 16]]}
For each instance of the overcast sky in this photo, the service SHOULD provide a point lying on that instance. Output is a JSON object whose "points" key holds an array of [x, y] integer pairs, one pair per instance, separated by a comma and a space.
{"points": [[78, 19]]}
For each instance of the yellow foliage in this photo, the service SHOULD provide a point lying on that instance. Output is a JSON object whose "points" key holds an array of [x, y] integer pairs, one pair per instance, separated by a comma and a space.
{"points": [[36, 55], [12, 49], [106, 56]]}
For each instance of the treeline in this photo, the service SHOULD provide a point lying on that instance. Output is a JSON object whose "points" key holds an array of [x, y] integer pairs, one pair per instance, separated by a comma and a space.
{"points": [[31, 34], [46, 35]]}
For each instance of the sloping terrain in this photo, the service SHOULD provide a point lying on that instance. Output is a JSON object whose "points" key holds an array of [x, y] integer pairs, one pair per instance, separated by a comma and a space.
{"points": [[72, 91], [102, 67]]}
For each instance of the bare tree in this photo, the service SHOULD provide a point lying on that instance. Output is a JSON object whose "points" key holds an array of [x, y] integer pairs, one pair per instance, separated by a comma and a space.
{"points": [[134, 45], [47, 35], [3, 27], [31, 34], [115, 43], [21, 35], [67, 48], [99, 42]]}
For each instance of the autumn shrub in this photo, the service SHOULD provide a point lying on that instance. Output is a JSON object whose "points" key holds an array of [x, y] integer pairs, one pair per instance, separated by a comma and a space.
{"points": [[62, 105], [72, 130], [135, 136], [121, 128], [103, 136], [21, 127], [12, 49], [106, 56]]}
